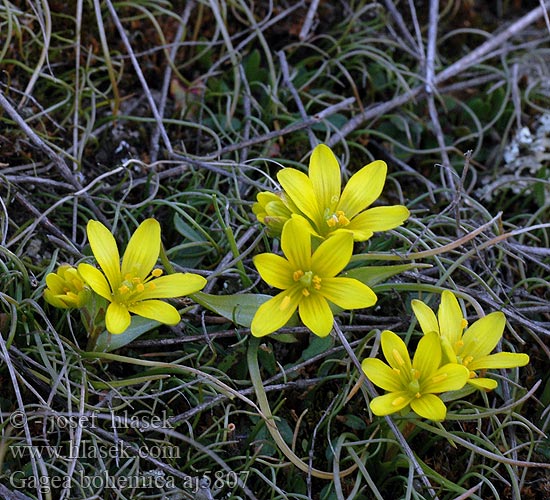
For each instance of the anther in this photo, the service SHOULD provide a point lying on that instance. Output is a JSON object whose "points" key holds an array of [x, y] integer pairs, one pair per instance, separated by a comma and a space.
{"points": [[296, 275], [439, 378], [285, 303], [398, 401], [398, 357], [316, 282]]}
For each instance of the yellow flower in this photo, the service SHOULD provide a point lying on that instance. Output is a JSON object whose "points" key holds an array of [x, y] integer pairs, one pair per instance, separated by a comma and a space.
{"points": [[473, 347], [134, 286], [271, 211], [308, 281], [328, 209], [66, 289], [413, 384]]}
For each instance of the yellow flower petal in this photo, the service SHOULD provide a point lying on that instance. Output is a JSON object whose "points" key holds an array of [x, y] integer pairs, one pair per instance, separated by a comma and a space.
{"points": [[95, 278], [316, 314], [429, 406], [56, 300], [380, 374], [425, 316], [450, 377], [395, 351], [55, 283], [105, 251], [172, 285], [363, 188], [299, 189], [390, 403], [325, 176], [485, 384], [450, 317], [276, 312], [483, 336], [274, 270], [347, 293], [377, 219], [157, 310], [427, 357], [117, 318], [332, 255], [296, 243], [499, 360], [143, 250]]}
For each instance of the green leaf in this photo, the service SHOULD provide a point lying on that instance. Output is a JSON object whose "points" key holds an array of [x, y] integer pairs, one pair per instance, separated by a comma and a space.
{"points": [[240, 309], [286, 338], [317, 346], [372, 275], [107, 342], [354, 422]]}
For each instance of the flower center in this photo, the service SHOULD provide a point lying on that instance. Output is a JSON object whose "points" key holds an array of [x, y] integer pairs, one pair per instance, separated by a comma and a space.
{"points": [[132, 286], [337, 219], [414, 384], [308, 280]]}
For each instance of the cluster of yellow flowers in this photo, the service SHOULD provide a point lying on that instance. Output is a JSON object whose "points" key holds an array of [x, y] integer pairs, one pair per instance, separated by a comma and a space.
{"points": [[446, 359], [317, 223], [314, 208], [133, 287]]}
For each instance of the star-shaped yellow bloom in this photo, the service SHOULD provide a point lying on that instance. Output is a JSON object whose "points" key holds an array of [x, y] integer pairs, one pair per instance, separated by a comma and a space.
{"points": [[328, 209], [308, 281], [473, 347], [413, 384], [134, 286], [66, 289]]}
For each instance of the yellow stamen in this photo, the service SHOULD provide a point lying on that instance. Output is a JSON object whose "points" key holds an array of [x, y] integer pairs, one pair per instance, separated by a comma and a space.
{"points": [[151, 286], [316, 282], [467, 360], [285, 303], [297, 275], [305, 292], [123, 289], [140, 287], [439, 378], [156, 272], [473, 374], [464, 323], [337, 219], [342, 219], [332, 221], [418, 395], [398, 357]]}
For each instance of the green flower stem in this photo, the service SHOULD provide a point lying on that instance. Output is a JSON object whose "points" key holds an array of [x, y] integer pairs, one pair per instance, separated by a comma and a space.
{"points": [[255, 377], [232, 244], [169, 268], [391, 424]]}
